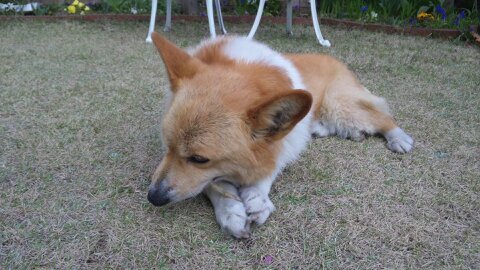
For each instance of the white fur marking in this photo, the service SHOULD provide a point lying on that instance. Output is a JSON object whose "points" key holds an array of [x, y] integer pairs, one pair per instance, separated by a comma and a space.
{"points": [[241, 48]]}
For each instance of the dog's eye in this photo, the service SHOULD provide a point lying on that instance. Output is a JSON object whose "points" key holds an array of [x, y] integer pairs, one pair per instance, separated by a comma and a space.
{"points": [[198, 159]]}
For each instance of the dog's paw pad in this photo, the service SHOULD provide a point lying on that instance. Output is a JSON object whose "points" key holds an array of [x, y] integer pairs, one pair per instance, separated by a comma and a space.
{"points": [[257, 205], [398, 141]]}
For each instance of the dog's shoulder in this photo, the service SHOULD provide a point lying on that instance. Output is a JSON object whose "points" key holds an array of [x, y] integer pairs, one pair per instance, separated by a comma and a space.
{"points": [[230, 50]]}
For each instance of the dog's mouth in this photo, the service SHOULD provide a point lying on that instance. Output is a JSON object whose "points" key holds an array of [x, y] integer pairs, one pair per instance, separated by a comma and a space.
{"points": [[162, 195], [216, 179], [200, 190]]}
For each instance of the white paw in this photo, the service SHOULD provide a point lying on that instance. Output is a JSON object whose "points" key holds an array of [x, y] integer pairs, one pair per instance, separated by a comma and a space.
{"points": [[319, 130], [398, 141], [257, 205], [233, 220]]}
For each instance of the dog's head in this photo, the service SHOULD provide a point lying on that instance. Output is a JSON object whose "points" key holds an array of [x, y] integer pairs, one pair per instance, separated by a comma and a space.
{"points": [[221, 123]]}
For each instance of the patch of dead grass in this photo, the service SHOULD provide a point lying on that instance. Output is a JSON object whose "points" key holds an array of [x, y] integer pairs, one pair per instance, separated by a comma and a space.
{"points": [[80, 105]]}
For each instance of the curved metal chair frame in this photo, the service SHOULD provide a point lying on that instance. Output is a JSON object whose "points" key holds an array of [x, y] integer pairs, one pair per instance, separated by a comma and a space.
{"points": [[256, 23]]}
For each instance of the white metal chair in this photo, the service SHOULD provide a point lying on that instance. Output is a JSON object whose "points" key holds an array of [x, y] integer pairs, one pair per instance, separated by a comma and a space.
{"points": [[168, 22], [316, 26], [256, 23]]}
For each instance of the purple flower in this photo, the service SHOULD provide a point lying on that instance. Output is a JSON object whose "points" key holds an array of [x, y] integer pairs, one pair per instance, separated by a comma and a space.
{"points": [[441, 11], [412, 21], [364, 9], [459, 17]]}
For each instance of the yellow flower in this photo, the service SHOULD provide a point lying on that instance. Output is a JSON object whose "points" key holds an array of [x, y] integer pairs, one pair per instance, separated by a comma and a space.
{"points": [[87, 8], [75, 3], [81, 5], [82, 13], [71, 9], [424, 16]]}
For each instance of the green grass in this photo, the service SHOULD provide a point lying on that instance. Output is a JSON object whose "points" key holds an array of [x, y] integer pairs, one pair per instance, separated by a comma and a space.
{"points": [[80, 107]]}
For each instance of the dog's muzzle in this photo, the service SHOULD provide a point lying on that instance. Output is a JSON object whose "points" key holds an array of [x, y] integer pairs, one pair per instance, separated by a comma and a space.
{"points": [[158, 194]]}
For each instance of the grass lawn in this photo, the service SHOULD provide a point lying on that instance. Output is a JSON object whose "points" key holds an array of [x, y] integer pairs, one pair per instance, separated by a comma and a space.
{"points": [[80, 107]]}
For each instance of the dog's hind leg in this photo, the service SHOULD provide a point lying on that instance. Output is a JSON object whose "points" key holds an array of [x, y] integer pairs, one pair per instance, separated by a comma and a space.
{"points": [[351, 113], [377, 116], [230, 213]]}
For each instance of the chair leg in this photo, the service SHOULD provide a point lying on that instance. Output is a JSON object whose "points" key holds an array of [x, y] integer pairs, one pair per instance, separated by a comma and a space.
{"points": [[152, 21], [257, 19], [289, 17], [168, 20], [211, 22], [220, 17], [316, 26]]}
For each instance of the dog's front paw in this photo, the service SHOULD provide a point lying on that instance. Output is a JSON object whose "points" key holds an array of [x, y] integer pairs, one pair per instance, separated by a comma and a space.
{"points": [[258, 205], [234, 221], [398, 141]]}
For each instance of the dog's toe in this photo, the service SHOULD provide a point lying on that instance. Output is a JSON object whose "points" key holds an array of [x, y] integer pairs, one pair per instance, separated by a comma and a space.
{"points": [[257, 205], [234, 221], [260, 217], [398, 141], [238, 227], [399, 146]]}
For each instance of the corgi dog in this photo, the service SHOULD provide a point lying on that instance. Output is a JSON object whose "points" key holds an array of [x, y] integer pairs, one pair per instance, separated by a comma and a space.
{"points": [[239, 112]]}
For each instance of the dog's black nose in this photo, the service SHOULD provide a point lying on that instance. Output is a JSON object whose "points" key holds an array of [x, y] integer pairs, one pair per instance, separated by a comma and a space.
{"points": [[157, 197], [158, 193]]}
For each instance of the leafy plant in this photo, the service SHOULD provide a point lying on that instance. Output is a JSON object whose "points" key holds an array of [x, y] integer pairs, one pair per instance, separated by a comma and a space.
{"points": [[271, 8], [50, 9], [130, 6], [389, 9], [403, 12], [407, 9]]}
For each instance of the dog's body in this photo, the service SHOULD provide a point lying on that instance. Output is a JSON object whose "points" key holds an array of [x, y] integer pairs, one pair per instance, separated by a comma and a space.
{"points": [[240, 112]]}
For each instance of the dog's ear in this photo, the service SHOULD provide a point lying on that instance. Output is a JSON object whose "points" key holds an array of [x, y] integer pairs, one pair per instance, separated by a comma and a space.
{"points": [[274, 118], [179, 64]]}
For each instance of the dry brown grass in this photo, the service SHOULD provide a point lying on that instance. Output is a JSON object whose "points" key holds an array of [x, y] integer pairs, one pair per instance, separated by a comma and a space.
{"points": [[80, 105]]}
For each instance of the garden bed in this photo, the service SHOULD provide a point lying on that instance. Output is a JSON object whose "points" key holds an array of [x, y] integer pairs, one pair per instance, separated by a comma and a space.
{"points": [[408, 30]]}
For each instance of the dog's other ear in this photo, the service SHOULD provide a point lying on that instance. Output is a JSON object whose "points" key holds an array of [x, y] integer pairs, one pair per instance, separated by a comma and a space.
{"points": [[274, 118], [179, 64]]}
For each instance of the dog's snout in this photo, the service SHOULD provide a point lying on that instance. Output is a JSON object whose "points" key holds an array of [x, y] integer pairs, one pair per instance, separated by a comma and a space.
{"points": [[158, 195]]}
